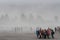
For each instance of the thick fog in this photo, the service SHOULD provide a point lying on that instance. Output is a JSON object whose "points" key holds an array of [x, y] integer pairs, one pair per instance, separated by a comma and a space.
{"points": [[29, 14]]}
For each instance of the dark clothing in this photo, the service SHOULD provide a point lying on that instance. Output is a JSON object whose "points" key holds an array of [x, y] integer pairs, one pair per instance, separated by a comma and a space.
{"points": [[40, 34], [55, 29], [37, 33], [52, 33], [44, 35]]}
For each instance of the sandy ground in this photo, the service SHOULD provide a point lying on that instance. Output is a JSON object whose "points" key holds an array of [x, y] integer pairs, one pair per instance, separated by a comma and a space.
{"points": [[24, 36]]}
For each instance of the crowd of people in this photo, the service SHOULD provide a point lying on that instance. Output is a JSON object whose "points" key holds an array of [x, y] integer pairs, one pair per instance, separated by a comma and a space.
{"points": [[45, 33]]}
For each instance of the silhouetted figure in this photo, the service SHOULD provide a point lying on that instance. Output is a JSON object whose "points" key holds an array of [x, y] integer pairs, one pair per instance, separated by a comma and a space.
{"points": [[37, 32], [59, 29], [55, 29], [44, 34], [52, 33], [48, 33], [40, 33]]}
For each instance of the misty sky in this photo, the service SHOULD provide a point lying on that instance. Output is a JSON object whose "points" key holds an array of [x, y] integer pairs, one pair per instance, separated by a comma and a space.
{"points": [[29, 1], [45, 8]]}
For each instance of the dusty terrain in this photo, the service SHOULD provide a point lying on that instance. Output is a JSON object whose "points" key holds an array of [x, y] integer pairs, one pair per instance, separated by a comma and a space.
{"points": [[24, 36]]}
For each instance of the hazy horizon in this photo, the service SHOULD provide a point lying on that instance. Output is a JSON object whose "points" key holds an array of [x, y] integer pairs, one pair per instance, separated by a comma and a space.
{"points": [[29, 13]]}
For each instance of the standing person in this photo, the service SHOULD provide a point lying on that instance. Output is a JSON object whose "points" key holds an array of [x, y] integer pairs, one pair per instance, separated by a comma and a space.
{"points": [[59, 29], [44, 34], [40, 35], [48, 33], [55, 29], [37, 32], [52, 33]]}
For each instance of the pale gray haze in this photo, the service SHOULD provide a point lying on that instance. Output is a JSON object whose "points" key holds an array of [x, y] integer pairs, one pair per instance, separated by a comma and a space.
{"points": [[29, 14]]}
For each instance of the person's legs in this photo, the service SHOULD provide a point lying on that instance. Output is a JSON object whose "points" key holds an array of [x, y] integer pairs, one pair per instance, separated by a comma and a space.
{"points": [[52, 36], [37, 34], [44, 36], [40, 35], [48, 36]]}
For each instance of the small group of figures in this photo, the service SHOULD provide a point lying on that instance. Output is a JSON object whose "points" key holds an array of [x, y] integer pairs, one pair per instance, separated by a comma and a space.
{"points": [[57, 28], [45, 33]]}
